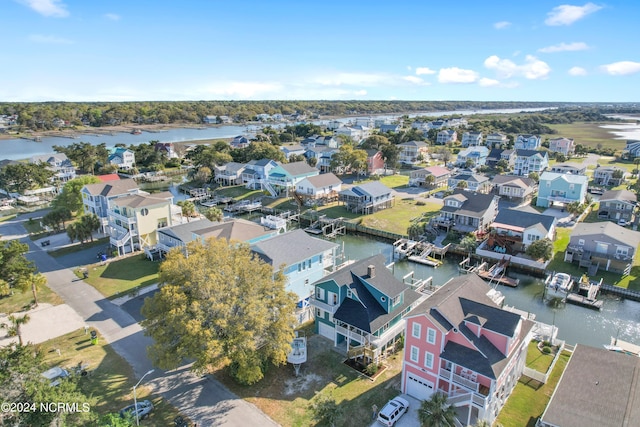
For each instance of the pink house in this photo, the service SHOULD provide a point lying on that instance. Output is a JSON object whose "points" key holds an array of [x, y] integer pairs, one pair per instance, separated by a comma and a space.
{"points": [[375, 162], [461, 343]]}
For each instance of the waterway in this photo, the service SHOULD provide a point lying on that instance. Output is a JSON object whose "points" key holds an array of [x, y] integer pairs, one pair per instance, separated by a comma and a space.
{"points": [[575, 324]]}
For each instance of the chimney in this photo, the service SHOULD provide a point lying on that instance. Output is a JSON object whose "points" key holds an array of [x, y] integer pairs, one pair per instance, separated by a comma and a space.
{"points": [[371, 270]]}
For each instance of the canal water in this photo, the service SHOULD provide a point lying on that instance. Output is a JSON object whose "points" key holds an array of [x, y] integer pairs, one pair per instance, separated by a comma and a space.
{"points": [[575, 324]]}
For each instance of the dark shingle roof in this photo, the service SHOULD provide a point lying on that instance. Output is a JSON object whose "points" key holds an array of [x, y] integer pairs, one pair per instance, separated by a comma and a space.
{"points": [[622, 195], [184, 232], [523, 219], [529, 153], [290, 248], [474, 204], [610, 230]]}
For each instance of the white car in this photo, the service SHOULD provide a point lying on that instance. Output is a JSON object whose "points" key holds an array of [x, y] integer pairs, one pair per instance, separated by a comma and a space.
{"points": [[623, 222], [392, 411]]}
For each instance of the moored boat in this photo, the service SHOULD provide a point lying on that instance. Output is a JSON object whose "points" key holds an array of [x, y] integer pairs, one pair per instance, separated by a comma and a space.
{"points": [[558, 285]]}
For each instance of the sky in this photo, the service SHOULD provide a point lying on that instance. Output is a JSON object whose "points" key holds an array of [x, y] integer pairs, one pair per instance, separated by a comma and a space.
{"points": [[124, 50]]}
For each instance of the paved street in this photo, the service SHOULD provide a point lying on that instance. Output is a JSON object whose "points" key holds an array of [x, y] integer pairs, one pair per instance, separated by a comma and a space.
{"points": [[203, 399]]}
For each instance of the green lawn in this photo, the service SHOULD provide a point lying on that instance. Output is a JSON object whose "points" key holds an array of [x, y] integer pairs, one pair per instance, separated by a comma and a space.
{"points": [[20, 301], [7, 218], [109, 385], [536, 359], [529, 399], [122, 276], [588, 134], [392, 181], [33, 226], [238, 192], [397, 219]]}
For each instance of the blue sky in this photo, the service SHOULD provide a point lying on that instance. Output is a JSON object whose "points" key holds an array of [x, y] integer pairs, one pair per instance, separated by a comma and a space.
{"points": [[79, 50]]}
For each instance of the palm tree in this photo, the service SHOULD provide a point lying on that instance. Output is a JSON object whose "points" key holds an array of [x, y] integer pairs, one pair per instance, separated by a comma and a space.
{"points": [[13, 330], [33, 282], [436, 412], [188, 208]]}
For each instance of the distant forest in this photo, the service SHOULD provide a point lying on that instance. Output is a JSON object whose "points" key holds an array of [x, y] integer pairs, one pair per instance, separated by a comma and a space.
{"points": [[43, 116]]}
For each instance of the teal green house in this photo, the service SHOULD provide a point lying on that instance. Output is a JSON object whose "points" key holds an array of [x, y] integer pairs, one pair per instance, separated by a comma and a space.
{"points": [[361, 308]]}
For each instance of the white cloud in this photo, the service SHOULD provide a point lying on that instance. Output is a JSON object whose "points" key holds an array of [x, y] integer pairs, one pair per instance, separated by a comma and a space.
{"points": [[502, 25], [457, 75], [567, 14], [424, 70], [39, 38], [621, 68], [532, 69], [112, 16], [485, 82], [53, 8], [564, 47], [577, 71], [414, 80]]}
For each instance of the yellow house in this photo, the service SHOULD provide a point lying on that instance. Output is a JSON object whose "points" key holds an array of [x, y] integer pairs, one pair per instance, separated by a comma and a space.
{"points": [[134, 219]]}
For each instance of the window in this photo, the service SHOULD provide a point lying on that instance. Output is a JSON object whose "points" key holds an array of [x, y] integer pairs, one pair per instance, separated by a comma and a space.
{"points": [[319, 293], [383, 299], [318, 312], [431, 336], [143, 211], [414, 354], [428, 359], [415, 330]]}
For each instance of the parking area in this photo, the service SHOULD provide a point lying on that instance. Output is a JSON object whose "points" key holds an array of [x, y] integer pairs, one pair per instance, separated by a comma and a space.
{"points": [[410, 419]]}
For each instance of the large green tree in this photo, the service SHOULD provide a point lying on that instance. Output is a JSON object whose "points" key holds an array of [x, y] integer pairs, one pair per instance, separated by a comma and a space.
{"points": [[71, 197], [220, 305], [85, 155], [19, 177], [14, 266], [541, 249], [436, 412]]}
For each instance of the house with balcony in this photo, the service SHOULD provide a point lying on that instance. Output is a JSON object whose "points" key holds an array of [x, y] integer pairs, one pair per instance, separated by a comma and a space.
{"points": [[472, 182], [413, 152], [618, 204], [561, 189], [356, 132], [134, 220], [375, 162], [229, 173], [302, 259], [389, 128], [240, 141], [256, 172], [123, 158], [514, 188], [461, 343], [471, 139], [285, 176], [609, 175], [569, 167], [631, 149], [367, 198], [530, 161], [323, 155], [496, 140], [602, 245], [513, 230], [477, 155], [497, 154], [432, 177], [292, 150], [467, 212], [361, 307], [564, 146], [59, 164], [167, 149], [445, 136], [96, 197], [317, 189], [527, 142]]}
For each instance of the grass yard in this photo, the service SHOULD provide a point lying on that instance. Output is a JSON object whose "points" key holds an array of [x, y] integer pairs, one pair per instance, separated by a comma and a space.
{"points": [[588, 134], [287, 398], [397, 219], [79, 247], [7, 218], [392, 181], [538, 360], [21, 301], [238, 192], [110, 380], [530, 398], [336, 210], [122, 276]]}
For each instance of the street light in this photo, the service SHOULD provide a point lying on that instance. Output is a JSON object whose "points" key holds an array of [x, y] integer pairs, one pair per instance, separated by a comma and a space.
{"points": [[135, 401]]}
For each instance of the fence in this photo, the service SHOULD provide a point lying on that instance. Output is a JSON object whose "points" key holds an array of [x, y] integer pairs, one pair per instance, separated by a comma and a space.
{"points": [[539, 376]]}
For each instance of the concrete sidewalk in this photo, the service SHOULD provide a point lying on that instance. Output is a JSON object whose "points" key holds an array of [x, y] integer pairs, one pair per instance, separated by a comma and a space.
{"points": [[47, 322]]}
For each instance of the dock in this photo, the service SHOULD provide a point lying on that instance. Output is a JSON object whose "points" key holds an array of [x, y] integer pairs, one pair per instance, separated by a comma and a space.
{"points": [[328, 227], [623, 347], [586, 294], [577, 299], [419, 251], [496, 274]]}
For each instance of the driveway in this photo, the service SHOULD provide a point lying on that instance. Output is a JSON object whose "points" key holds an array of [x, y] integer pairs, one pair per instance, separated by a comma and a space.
{"points": [[410, 418]]}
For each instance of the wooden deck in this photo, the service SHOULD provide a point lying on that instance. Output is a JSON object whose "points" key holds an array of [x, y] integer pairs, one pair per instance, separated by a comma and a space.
{"points": [[577, 299]]}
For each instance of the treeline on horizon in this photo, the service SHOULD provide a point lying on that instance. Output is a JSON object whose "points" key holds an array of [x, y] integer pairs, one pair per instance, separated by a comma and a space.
{"points": [[41, 116]]}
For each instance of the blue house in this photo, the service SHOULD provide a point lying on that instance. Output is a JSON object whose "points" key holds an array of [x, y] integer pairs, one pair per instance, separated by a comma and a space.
{"points": [[284, 177], [558, 188], [530, 161], [527, 142], [361, 307], [478, 155]]}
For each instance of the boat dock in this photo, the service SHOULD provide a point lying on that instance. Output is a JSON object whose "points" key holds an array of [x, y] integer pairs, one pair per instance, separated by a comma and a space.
{"points": [[420, 251], [623, 347], [496, 274], [328, 227], [586, 294]]}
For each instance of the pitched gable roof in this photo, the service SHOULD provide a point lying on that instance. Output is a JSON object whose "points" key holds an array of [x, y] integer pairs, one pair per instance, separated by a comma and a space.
{"points": [[373, 189], [234, 229], [290, 248], [112, 188], [324, 180], [521, 219], [619, 195], [298, 168], [438, 171], [184, 232], [607, 228]]}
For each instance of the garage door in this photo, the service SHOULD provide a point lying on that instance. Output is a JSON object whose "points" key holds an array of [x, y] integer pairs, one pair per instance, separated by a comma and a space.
{"points": [[327, 331], [418, 387]]}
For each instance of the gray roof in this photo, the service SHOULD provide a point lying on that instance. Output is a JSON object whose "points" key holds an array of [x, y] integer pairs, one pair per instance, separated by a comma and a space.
{"points": [[112, 188], [414, 144], [598, 388], [141, 200], [619, 195], [323, 180], [290, 248], [529, 153], [472, 177], [474, 204], [48, 158], [518, 181], [569, 177], [184, 232], [609, 229], [518, 218], [298, 168], [234, 229], [373, 189]]}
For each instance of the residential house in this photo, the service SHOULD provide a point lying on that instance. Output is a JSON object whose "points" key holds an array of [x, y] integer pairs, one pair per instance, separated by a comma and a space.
{"points": [[364, 121], [240, 141], [375, 162], [254, 176], [467, 212], [515, 188], [123, 158], [167, 148], [563, 146], [367, 198], [302, 259], [527, 142], [356, 132], [96, 197], [210, 120], [420, 177], [229, 173], [292, 150], [471, 139], [461, 343], [319, 188], [445, 136], [602, 245], [478, 156], [422, 126], [108, 177], [472, 182], [360, 308], [513, 230], [285, 177], [530, 161], [177, 236], [561, 188], [413, 152], [617, 205], [59, 163], [569, 167], [389, 128], [334, 125], [609, 175], [496, 140], [134, 220], [323, 155], [631, 149], [598, 387], [328, 141], [497, 154]]}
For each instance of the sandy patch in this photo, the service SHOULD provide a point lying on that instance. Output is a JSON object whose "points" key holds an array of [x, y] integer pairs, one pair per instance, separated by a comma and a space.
{"points": [[300, 384]]}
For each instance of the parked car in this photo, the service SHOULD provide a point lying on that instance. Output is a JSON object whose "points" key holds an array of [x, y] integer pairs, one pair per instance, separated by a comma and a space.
{"points": [[392, 411], [144, 408], [55, 374], [623, 222]]}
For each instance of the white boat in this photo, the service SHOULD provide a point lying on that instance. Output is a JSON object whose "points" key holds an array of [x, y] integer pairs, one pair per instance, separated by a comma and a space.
{"points": [[558, 286], [298, 352]]}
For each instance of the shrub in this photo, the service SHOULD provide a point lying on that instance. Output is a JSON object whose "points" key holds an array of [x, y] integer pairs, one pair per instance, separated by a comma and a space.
{"points": [[372, 369], [546, 349]]}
